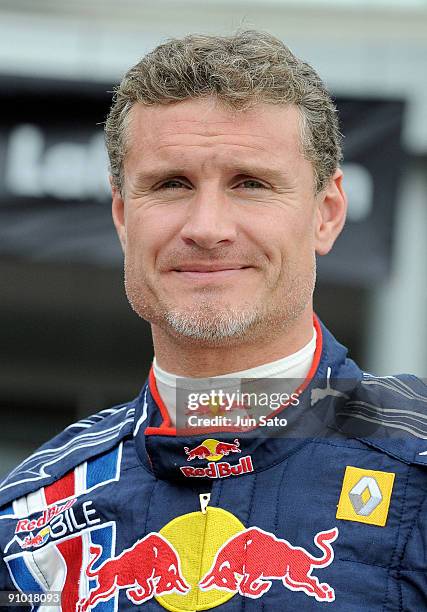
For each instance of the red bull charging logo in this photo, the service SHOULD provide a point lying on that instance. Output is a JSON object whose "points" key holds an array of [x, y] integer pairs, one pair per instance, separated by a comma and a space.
{"points": [[248, 562], [214, 450], [150, 567], [35, 541]]}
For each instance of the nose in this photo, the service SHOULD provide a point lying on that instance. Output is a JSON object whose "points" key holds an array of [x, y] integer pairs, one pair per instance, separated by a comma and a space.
{"points": [[210, 219]]}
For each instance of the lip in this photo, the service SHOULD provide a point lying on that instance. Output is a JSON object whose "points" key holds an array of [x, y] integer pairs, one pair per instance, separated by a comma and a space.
{"points": [[194, 267], [210, 275]]}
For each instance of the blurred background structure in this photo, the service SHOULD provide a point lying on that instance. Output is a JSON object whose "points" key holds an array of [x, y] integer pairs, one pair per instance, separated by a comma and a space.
{"points": [[70, 345]]}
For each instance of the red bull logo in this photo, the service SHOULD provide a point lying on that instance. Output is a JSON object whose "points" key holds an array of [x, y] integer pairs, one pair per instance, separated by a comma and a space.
{"points": [[182, 573], [200, 452], [213, 451], [224, 448], [204, 452], [249, 561], [168, 565], [150, 567], [36, 541]]}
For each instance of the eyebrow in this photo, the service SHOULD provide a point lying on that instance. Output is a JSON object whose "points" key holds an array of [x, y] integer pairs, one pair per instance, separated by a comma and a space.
{"points": [[148, 177], [269, 173]]}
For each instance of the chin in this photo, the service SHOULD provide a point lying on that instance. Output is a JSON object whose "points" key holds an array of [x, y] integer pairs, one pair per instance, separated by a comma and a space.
{"points": [[209, 329]]}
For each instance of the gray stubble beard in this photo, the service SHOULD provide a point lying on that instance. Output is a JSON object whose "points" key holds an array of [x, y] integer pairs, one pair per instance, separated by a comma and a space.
{"points": [[208, 324], [222, 326]]}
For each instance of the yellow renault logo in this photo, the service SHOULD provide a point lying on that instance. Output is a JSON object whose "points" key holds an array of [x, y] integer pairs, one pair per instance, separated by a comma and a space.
{"points": [[365, 496]]}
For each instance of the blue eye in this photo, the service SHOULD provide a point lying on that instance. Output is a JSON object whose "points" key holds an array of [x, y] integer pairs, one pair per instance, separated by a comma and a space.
{"points": [[172, 184], [253, 184]]}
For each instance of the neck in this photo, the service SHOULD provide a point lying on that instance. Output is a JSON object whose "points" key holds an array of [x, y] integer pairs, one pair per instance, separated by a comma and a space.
{"points": [[189, 358]]}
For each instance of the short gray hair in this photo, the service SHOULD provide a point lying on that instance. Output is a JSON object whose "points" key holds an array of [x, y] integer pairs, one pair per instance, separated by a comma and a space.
{"points": [[240, 70]]}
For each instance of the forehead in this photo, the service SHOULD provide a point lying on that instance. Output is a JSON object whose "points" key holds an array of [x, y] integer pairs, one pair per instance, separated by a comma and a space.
{"points": [[204, 126]]}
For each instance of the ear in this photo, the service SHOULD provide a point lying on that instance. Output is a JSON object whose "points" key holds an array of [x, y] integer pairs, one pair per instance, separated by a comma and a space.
{"points": [[118, 212], [331, 212]]}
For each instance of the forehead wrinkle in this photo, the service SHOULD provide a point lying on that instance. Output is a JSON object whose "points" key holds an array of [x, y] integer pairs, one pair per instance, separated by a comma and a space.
{"points": [[209, 145], [207, 126], [166, 145], [230, 159], [216, 159], [212, 133], [258, 143]]}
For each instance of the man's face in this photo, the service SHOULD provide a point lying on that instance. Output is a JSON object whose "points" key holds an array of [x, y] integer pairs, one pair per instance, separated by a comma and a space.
{"points": [[217, 220]]}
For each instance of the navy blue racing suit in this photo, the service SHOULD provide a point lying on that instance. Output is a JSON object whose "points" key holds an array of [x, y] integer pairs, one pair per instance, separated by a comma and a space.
{"points": [[120, 511]]}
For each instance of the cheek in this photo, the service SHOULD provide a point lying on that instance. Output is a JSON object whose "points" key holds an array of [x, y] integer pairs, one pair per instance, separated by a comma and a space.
{"points": [[280, 238], [300, 233], [147, 235], [289, 246]]}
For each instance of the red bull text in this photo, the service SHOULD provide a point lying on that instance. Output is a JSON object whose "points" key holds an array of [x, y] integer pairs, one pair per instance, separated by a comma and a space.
{"points": [[219, 470], [45, 518]]}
